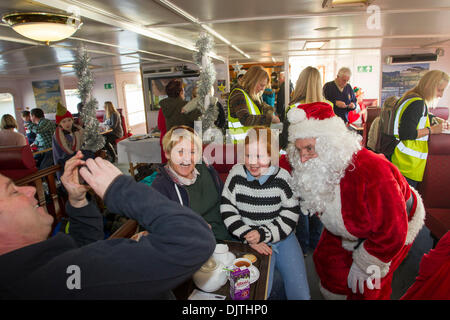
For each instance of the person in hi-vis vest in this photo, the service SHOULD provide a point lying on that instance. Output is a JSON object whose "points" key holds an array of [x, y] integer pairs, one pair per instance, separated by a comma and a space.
{"points": [[245, 106], [411, 125]]}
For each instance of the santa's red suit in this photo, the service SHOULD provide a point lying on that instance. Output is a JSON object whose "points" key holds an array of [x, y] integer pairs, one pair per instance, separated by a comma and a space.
{"points": [[371, 222]]}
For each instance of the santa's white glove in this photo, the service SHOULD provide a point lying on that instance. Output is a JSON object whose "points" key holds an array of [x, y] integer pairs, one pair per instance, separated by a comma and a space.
{"points": [[356, 279]]}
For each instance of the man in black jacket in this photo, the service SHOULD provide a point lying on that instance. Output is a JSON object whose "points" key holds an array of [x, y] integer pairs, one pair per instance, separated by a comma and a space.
{"points": [[81, 265]]}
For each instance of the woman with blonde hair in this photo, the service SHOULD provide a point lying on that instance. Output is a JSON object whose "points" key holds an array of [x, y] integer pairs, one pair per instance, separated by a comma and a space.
{"points": [[112, 121], [9, 137], [245, 106], [411, 126], [308, 90], [188, 181]]}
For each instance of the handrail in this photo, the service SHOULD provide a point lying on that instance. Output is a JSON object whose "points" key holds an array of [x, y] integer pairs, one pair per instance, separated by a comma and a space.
{"points": [[127, 230]]}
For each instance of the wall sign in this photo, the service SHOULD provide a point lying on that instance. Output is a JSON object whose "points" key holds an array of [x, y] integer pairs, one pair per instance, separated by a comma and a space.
{"points": [[365, 69]]}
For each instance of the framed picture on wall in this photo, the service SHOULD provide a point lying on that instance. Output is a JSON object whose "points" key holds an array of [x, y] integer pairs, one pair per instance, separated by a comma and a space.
{"points": [[397, 79], [47, 94]]}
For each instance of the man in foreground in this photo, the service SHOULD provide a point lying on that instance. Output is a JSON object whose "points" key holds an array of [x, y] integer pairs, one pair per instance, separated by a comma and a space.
{"points": [[81, 265], [370, 214]]}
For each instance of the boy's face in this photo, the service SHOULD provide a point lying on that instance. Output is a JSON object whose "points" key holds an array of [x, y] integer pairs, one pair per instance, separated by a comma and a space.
{"points": [[26, 118]]}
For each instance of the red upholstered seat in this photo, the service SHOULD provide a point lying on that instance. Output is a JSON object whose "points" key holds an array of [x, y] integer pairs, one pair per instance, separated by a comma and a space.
{"points": [[17, 162], [441, 112], [222, 157], [438, 220], [126, 134], [372, 113], [435, 185]]}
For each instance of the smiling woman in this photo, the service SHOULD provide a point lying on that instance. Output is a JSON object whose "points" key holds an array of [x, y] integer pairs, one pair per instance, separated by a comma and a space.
{"points": [[188, 181]]}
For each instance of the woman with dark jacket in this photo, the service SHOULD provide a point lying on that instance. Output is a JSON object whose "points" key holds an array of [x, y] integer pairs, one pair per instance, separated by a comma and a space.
{"points": [[172, 105], [188, 181]]}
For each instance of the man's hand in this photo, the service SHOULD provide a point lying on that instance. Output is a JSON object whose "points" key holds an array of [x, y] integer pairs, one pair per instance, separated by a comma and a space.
{"points": [[99, 174], [262, 248], [252, 237], [340, 104], [70, 180]]}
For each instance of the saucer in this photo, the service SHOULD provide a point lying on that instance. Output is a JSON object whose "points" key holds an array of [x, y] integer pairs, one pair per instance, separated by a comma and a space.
{"points": [[254, 273]]}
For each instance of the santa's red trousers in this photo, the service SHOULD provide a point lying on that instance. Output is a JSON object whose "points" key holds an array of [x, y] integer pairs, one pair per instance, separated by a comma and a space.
{"points": [[333, 264]]}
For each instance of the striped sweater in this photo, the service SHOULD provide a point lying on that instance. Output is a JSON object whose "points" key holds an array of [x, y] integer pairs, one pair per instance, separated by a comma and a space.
{"points": [[270, 208]]}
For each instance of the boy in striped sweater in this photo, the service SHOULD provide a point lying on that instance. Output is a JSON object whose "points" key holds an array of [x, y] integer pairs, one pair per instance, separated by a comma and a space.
{"points": [[259, 207]]}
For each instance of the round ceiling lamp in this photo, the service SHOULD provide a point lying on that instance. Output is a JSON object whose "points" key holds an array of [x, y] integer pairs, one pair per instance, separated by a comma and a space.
{"points": [[41, 26]]}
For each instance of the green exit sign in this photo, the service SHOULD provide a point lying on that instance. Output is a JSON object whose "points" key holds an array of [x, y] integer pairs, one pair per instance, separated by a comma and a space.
{"points": [[364, 69], [109, 86]]}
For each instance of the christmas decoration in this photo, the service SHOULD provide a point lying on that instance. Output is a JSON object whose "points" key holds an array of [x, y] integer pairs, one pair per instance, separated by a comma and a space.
{"points": [[207, 102], [93, 140]]}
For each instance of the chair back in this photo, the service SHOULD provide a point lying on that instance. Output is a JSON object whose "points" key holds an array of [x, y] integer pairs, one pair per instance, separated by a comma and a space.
{"points": [[441, 112], [372, 113], [222, 157], [17, 161], [436, 178]]}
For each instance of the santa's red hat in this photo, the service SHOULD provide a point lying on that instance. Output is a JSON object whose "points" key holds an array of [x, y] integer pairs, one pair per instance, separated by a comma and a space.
{"points": [[313, 120]]}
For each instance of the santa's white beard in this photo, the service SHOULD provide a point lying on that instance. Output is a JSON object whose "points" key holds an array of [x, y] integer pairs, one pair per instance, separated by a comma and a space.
{"points": [[314, 181]]}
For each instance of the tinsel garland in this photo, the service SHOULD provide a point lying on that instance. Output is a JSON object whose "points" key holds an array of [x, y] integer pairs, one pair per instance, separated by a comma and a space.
{"points": [[93, 140], [206, 81]]}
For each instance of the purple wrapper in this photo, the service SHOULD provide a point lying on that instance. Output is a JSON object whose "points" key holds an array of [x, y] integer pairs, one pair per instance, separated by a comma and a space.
{"points": [[240, 284]]}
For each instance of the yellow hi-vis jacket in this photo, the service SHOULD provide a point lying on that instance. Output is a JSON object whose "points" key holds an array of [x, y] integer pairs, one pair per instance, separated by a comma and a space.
{"points": [[410, 156], [236, 129]]}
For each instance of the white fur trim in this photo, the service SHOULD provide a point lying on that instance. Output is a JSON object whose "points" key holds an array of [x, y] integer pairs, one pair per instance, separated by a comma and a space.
{"points": [[364, 260], [296, 115], [332, 217], [328, 295], [417, 220], [313, 128]]}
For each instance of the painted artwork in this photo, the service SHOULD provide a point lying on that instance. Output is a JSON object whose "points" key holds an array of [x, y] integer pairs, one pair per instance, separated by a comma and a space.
{"points": [[47, 94], [397, 79]]}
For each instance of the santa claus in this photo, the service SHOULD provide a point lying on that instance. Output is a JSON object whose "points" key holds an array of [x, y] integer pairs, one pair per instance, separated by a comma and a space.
{"points": [[370, 213]]}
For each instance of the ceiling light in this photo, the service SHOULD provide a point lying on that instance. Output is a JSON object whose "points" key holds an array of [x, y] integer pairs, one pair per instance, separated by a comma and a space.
{"points": [[193, 19], [314, 45], [41, 26], [180, 11], [339, 3]]}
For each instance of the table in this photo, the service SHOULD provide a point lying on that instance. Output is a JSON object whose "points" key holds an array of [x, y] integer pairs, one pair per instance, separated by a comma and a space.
{"points": [[140, 151], [258, 289]]}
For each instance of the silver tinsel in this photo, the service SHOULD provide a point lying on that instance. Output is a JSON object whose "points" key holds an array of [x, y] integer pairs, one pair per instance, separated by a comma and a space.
{"points": [[93, 140], [206, 80]]}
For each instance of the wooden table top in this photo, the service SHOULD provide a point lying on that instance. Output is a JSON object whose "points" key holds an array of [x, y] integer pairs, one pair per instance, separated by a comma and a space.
{"points": [[258, 289]]}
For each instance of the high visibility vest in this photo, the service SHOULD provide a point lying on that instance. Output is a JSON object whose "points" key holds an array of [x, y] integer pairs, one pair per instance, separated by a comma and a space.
{"points": [[410, 156], [236, 129]]}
